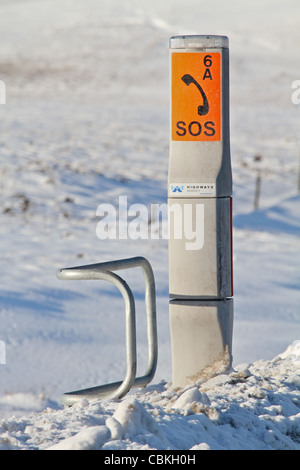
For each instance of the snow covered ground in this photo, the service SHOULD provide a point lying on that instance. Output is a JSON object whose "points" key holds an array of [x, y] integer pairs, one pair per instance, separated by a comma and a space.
{"points": [[86, 121], [254, 407]]}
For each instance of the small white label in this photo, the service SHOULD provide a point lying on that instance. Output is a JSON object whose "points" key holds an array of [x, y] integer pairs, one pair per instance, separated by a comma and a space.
{"points": [[192, 189], [2, 92], [2, 352]]}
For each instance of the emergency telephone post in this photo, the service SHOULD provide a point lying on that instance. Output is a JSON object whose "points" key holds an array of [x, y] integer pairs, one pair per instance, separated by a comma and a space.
{"points": [[200, 208]]}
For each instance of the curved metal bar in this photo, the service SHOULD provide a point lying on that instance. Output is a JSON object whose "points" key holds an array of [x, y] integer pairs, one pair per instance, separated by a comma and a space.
{"points": [[117, 389], [103, 271]]}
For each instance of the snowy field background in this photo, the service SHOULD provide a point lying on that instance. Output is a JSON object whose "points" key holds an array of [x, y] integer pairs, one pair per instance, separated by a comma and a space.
{"points": [[86, 120]]}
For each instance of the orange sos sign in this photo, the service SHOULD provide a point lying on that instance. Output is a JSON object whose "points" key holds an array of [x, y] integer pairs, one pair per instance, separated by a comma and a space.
{"points": [[196, 96]]}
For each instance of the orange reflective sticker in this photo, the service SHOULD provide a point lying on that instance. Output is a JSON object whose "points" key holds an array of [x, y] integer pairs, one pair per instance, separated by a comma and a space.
{"points": [[196, 96]]}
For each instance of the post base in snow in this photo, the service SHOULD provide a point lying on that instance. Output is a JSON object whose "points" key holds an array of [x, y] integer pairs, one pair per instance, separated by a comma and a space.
{"points": [[201, 336]]}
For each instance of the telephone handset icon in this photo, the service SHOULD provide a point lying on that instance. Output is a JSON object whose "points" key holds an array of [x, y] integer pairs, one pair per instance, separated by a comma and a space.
{"points": [[188, 79]]}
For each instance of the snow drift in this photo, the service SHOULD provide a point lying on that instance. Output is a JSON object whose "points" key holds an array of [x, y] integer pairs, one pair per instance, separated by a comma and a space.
{"points": [[255, 406]]}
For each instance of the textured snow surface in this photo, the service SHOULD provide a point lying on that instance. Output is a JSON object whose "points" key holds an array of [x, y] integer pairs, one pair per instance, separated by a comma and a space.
{"points": [[255, 406]]}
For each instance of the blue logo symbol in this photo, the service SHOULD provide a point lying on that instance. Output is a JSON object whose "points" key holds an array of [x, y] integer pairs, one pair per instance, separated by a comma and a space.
{"points": [[177, 189]]}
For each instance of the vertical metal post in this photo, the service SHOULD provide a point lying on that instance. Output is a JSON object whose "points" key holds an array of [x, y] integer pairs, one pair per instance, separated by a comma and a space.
{"points": [[299, 169], [200, 207]]}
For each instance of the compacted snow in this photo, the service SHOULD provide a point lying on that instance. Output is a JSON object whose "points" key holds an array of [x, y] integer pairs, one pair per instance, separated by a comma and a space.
{"points": [[255, 406]]}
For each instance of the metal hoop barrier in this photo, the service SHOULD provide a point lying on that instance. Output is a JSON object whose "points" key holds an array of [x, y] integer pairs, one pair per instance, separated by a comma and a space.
{"points": [[103, 271]]}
